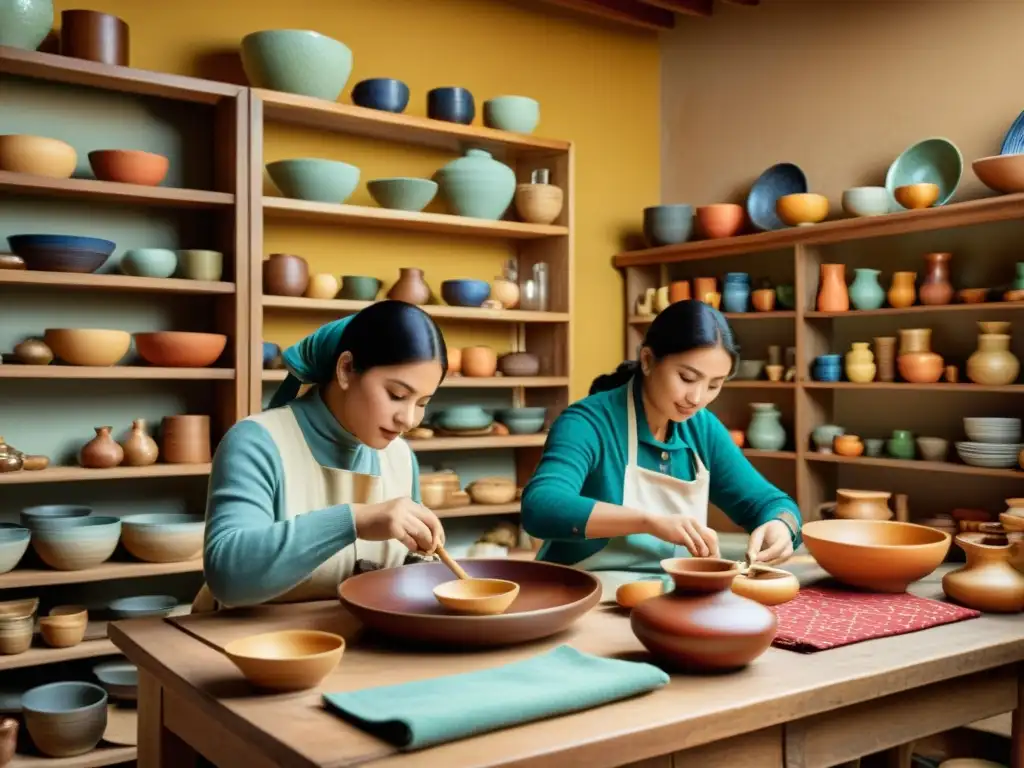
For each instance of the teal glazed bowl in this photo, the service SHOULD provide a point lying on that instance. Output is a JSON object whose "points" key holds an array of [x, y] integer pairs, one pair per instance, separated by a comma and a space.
{"points": [[49, 515], [402, 194], [296, 61], [120, 678], [149, 262], [523, 421], [462, 418], [313, 179], [77, 543], [65, 719], [360, 287], [142, 605], [519, 114], [13, 543], [935, 161]]}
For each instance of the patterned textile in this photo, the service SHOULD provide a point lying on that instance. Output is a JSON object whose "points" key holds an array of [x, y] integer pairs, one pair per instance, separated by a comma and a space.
{"points": [[819, 618]]}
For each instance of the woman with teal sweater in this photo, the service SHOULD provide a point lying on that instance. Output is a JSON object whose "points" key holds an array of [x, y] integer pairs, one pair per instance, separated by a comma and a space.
{"points": [[628, 472], [318, 488]]}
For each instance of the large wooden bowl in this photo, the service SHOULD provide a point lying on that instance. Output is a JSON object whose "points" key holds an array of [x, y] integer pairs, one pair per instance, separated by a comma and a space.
{"points": [[400, 602], [290, 660], [878, 555]]}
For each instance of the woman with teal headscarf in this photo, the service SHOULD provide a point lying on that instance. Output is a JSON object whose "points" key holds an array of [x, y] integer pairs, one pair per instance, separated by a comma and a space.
{"points": [[318, 487]]}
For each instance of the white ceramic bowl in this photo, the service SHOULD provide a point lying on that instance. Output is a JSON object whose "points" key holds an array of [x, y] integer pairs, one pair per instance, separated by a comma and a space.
{"points": [[866, 201]]}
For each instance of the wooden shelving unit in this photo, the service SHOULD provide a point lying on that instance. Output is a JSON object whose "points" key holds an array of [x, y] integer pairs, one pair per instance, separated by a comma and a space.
{"points": [[981, 234]]}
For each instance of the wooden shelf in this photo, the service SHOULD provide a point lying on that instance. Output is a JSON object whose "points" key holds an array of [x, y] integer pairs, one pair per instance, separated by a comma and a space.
{"points": [[287, 209], [902, 386], [440, 312], [476, 443], [78, 474], [75, 280], [469, 382], [759, 384], [780, 315], [409, 129], [38, 655], [783, 455], [104, 755], [125, 372], [479, 510], [135, 194], [108, 571], [946, 467], [917, 309]]}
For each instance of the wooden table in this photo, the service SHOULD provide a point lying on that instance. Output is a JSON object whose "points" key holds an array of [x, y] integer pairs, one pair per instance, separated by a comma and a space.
{"points": [[786, 710]]}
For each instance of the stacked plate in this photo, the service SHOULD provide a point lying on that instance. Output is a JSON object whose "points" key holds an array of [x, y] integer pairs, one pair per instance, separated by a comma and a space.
{"points": [[994, 443]]}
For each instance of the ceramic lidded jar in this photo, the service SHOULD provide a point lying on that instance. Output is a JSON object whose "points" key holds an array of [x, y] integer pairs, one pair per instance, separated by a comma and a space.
{"points": [[833, 295], [25, 23], [916, 362], [285, 274], [860, 363], [140, 450], [736, 292], [988, 582], [410, 287], [477, 185], [902, 291], [865, 291], [102, 452], [936, 288], [993, 364], [765, 431]]}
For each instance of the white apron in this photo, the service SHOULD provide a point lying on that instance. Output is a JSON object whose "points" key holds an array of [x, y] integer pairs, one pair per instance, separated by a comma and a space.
{"points": [[629, 558], [308, 486]]}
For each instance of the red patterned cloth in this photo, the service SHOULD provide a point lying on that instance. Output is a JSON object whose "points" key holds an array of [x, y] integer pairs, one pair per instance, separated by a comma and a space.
{"points": [[819, 618]]}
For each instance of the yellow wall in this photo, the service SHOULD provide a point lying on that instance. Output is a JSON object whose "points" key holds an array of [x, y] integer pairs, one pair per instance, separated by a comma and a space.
{"points": [[598, 87]]}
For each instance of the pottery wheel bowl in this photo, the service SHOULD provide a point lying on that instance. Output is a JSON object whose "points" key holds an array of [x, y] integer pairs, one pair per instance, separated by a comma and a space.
{"points": [[481, 597], [877, 555], [400, 602], [289, 660]]}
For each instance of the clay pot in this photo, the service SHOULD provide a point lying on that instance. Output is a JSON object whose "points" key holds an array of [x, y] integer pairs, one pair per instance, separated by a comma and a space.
{"points": [[719, 220], [33, 352], [936, 288], [902, 292], [322, 286], [763, 299], [862, 505], [702, 625], [506, 292], [833, 295], [94, 36], [848, 445], [538, 203], [185, 439], [479, 362], [988, 582], [285, 275], [917, 363], [885, 358], [410, 287], [679, 290], [993, 364], [860, 363], [703, 286], [8, 739], [102, 452], [519, 364], [129, 166], [454, 360], [140, 450]]}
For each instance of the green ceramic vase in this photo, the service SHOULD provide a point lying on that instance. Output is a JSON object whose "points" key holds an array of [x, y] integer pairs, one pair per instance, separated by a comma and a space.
{"points": [[901, 444], [25, 23], [1019, 284], [477, 185], [865, 290], [765, 432]]}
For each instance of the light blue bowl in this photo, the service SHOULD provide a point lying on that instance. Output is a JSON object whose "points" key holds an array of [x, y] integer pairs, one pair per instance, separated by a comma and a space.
{"points": [[296, 61], [149, 262], [52, 515], [519, 114], [932, 161], [61, 546], [402, 193], [314, 179], [13, 543], [781, 179], [119, 678], [523, 421], [463, 417], [142, 605]]}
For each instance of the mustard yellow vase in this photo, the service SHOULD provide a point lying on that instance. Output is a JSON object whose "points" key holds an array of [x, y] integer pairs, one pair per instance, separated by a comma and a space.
{"points": [[860, 363]]}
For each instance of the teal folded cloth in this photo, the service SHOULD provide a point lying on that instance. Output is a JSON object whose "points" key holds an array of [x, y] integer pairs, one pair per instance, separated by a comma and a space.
{"points": [[441, 709]]}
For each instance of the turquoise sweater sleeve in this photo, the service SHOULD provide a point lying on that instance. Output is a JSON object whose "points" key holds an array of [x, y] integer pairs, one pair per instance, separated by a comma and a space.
{"points": [[252, 553]]}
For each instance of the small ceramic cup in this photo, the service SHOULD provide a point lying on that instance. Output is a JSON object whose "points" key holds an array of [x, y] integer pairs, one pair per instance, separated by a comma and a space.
{"points": [[200, 265]]}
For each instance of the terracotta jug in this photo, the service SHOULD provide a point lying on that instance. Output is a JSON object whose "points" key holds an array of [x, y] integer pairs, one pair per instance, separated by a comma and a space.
{"points": [[988, 582], [102, 452], [832, 293], [993, 364], [862, 505], [917, 363], [285, 275], [860, 363], [936, 288], [901, 292], [140, 450], [410, 287], [8, 739]]}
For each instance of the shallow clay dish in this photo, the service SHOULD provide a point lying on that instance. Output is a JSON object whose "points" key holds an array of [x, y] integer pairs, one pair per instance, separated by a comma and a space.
{"points": [[1001, 173], [400, 602], [180, 349], [37, 155], [290, 660], [772, 587], [879, 555]]}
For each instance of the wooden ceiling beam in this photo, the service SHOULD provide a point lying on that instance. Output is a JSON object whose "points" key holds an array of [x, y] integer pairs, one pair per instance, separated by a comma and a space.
{"points": [[631, 12], [689, 7]]}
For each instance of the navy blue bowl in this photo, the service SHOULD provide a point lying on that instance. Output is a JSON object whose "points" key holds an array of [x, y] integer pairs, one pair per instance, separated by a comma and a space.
{"points": [[383, 93], [465, 293], [453, 105], [781, 179], [61, 253]]}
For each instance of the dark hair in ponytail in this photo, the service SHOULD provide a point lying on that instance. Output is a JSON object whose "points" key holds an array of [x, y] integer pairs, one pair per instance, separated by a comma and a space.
{"points": [[680, 327]]}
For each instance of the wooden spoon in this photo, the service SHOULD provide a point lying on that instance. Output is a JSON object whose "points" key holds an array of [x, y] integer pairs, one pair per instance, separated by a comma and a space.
{"points": [[450, 562]]}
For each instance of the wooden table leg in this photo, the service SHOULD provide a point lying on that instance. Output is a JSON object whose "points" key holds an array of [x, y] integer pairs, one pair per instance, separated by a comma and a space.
{"points": [[158, 747]]}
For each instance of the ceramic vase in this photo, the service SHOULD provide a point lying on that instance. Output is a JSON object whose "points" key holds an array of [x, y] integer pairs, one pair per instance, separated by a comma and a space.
{"points": [[993, 364], [477, 185], [102, 452], [832, 293], [865, 290], [765, 431], [900, 445], [860, 363], [824, 437], [285, 275], [936, 288], [140, 450], [988, 582], [410, 287], [902, 292], [917, 363], [885, 357], [862, 505], [736, 292], [25, 23]]}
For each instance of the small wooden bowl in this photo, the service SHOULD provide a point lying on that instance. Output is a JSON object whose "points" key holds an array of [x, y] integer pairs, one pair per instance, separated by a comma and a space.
{"points": [[916, 196], [65, 626], [768, 587], [289, 660], [480, 597], [635, 592]]}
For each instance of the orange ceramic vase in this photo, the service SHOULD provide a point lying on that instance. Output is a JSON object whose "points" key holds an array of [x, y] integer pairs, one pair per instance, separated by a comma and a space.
{"points": [[917, 363], [988, 582], [902, 292], [832, 293]]}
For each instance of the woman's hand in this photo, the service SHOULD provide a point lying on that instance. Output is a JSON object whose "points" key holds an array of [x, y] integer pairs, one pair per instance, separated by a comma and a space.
{"points": [[770, 543], [699, 540], [403, 519]]}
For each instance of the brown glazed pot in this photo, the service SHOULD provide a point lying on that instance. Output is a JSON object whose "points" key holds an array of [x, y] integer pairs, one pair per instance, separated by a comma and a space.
{"points": [[885, 358], [94, 36], [988, 582], [140, 450], [102, 452], [410, 287], [703, 626], [936, 288], [285, 275]]}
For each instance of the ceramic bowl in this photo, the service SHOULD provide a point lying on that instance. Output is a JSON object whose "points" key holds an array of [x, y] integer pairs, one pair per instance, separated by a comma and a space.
{"points": [[866, 201], [700, 574], [200, 264], [383, 93], [477, 597], [781, 179], [149, 262], [402, 193], [933, 448], [802, 209], [360, 287], [163, 537], [523, 421], [668, 224], [878, 555], [519, 364], [519, 114], [61, 253], [451, 104], [748, 370], [772, 587], [19, 609], [119, 678], [180, 349], [992, 429], [917, 196], [296, 61], [310, 178], [142, 605], [37, 155], [988, 455], [935, 160], [93, 347], [13, 543], [463, 418], [51, 514], [719, 220], [1001, 173], [786, 296], [973, 295], [65, 626], [78, 542], [465, 293], [16, 634], [65, 719], [129, 166], [290, 660], [492, 490]]}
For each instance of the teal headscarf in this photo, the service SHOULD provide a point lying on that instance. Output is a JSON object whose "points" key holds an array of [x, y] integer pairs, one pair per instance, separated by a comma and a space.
{"points": [[311, 361]]}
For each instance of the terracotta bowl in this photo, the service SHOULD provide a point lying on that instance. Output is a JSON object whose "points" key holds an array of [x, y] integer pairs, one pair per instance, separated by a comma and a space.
{"points": [[802, 209], [65, 626], [129, 166], [163, 537], [290, 660], [877, 555], [88, 346], [1001, 173], [913, 196], [180, 349], [37, 155], [700, 574], [973, 295], [719, 220]]}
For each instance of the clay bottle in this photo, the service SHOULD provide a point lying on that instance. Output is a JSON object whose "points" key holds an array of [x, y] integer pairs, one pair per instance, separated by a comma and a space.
{"points": [[833, 295], [936, 288], [410, 287], [102, 452], [140, 450]]}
